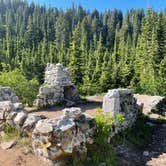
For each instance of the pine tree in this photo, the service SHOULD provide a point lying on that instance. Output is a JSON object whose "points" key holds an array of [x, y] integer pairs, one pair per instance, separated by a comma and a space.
{"points": [[75, 54]]}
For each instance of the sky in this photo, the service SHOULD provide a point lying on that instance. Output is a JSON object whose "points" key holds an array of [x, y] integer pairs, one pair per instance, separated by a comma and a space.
{"points": [[102, 5]]}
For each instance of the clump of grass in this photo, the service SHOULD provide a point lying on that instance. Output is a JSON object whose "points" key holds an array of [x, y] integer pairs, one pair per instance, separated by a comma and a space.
{"points": [[12, 133], [102, 151]]}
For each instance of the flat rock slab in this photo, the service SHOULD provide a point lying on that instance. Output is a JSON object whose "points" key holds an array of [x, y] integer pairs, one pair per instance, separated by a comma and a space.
{"points": [[8, 145]]}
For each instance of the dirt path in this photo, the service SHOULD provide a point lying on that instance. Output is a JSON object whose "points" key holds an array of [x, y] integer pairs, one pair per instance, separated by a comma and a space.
{"points": [[16, 157], [89, 107]]}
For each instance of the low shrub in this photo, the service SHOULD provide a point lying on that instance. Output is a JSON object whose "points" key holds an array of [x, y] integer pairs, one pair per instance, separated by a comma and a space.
{"points": [[25, 89]]}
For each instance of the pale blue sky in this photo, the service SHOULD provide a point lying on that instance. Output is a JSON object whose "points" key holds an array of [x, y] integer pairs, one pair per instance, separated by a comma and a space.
{"points": [[102, 5]]}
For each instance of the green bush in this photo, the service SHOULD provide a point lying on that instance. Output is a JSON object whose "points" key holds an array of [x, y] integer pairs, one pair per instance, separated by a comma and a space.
{"points": [[102, 151], [25, 89]]}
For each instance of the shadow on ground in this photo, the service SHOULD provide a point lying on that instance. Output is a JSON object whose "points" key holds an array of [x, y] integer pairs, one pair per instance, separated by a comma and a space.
{"points": [[151, 153]]}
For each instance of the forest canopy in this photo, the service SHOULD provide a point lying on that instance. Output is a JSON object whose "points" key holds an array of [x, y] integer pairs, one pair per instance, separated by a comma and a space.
{"points": [[103, 50]]}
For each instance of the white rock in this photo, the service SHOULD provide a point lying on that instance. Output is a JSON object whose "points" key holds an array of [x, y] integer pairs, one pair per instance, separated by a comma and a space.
{"points": [[6, 94], [6, 106], [74, 112], [18, 106]]}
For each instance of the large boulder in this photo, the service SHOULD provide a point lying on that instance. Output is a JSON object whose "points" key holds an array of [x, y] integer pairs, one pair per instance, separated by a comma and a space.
{"points": [[151, 103]]}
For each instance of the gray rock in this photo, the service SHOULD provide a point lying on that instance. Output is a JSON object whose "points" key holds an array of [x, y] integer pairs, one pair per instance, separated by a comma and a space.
{"points": [[6, 94], [121, 101], [30, 122], [20, 118], [6, 106], [113, 100], [73, 112], [18, 106]]}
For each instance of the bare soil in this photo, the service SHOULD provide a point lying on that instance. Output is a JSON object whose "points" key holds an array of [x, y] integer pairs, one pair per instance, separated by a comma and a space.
{"points": [[16, 157]]}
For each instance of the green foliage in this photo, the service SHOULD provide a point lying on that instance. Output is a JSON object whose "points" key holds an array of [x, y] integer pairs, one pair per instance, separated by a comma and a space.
{"points": [[25, 89], [11, 133], [102, 151], [103, 123], [103, 50]]}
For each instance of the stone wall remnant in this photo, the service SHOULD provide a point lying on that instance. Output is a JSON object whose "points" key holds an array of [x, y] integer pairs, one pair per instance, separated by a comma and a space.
{"points": [[57, 87], [57, 139], [121, 101]]}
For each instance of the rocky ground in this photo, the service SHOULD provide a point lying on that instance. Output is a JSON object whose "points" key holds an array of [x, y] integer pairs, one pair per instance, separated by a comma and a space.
{"points": [[152, 153]]}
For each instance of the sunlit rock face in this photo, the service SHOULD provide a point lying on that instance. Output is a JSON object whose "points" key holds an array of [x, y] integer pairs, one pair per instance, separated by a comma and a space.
{"points": [[57, 87]]}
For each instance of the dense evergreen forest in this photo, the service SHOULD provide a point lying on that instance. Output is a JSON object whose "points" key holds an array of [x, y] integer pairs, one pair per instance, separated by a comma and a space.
{"points": [[103, 50]]}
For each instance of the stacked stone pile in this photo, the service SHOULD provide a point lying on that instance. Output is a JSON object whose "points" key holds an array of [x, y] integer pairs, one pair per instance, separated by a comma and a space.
{"points": [[56, 139], [12, 111], [121, 101], [52, 139], [57, 87]]}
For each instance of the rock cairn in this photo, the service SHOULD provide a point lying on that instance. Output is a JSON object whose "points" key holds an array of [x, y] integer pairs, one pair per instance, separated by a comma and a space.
{"points": [[58, 138], [57, 87], [121, 101]]}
